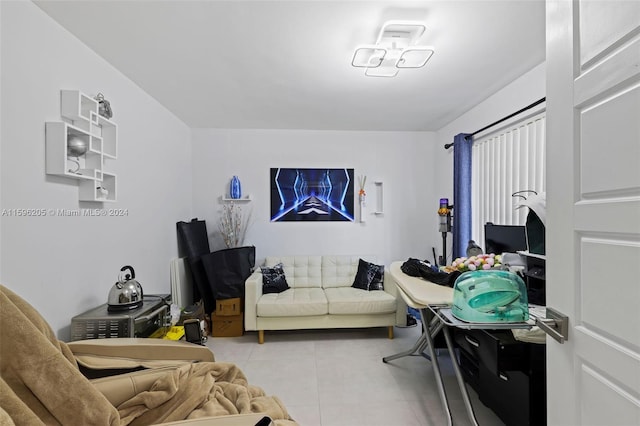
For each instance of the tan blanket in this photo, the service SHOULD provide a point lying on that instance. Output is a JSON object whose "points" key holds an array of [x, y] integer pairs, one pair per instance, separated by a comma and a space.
{"points": [[200, 390], [40, 380], [40, 383]]}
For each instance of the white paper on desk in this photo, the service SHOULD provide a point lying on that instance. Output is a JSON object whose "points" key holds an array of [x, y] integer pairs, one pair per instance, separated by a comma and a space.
{"points": [[534, 334]]}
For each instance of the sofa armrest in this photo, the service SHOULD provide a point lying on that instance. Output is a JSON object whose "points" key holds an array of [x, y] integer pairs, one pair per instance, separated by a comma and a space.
{"points": [[401, 307], [132, 352], [122, 387], [252, 293]]}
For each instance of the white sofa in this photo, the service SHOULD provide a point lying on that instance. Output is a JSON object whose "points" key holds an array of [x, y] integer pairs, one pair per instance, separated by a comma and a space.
{"points": [[321, 296]]}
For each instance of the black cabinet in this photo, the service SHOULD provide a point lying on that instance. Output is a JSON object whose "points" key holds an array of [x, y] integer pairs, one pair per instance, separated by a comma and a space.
{"points": [[508, 375], [535, 274]]}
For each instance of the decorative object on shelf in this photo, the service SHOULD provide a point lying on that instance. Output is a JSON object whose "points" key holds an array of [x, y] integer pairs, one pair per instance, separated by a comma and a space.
{"points": [[232, 225], [102, 192], [104, 106], [362, 195], [235, 188], [76, 146]]}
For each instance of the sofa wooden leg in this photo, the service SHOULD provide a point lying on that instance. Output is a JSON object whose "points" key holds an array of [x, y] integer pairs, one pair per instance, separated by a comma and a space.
{"points": [[390, 328], [261, 336]]}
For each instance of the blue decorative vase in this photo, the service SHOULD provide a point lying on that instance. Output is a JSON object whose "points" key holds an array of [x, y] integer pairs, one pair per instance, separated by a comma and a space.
{"points": [[236, 190]]}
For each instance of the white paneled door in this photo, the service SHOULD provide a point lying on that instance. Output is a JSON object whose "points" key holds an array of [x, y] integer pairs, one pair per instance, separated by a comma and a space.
{"points": [[593, 210]]}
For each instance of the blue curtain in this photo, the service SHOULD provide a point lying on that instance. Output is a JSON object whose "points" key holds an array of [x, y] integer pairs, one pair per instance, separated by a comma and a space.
{"points": [[461, 193]]}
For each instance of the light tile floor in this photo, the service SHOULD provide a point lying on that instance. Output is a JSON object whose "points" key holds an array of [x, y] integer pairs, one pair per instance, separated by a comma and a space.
{"points": [[337, 377]]}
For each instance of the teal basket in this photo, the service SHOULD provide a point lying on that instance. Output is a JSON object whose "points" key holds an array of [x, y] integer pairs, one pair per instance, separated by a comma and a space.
{"points": [[492, 296]]}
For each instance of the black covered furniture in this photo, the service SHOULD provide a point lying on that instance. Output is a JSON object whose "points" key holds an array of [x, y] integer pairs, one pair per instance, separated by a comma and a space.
{"points": [[193, 243], [228, 269], [216, 275]]}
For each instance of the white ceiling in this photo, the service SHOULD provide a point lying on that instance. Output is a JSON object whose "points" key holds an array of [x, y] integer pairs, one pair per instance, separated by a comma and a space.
{"points": [[287, 64]]}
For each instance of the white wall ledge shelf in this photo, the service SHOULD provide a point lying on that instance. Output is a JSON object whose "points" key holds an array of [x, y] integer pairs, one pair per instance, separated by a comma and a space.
{"points": [[244, 199]]}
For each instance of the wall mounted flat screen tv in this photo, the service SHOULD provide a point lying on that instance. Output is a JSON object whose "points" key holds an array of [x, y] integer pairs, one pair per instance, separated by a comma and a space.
{"points": [[504, 238]]}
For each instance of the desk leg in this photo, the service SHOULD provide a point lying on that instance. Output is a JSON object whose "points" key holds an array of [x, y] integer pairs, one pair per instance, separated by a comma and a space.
{"points": [[420, 343], [427, 315], [418, 348], [461, 383]]}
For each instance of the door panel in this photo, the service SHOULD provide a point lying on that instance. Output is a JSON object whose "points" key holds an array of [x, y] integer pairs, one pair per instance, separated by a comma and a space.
{"points": [[602, 306], [604, 25], [615, 363], [606, 148], [593, 210], [598, 388]]}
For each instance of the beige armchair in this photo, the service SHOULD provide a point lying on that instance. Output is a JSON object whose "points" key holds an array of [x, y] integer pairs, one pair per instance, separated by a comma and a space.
{"points": [[136, 381]]}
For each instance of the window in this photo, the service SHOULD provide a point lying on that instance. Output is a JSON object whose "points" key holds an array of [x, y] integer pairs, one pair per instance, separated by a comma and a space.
{"points": [[509, 160]]}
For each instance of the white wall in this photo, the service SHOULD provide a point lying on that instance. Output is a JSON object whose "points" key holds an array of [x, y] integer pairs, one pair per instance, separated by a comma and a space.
{"points": [[524, 91], [65, 265], [415, 168], [403, 161]]}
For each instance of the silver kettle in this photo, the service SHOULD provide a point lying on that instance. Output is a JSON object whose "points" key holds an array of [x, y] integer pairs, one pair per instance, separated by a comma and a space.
{"points": [[126, 294]]}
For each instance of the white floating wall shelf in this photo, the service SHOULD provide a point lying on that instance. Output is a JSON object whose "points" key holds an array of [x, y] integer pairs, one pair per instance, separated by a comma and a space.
{"points": [[83, 130], [244, 199]]}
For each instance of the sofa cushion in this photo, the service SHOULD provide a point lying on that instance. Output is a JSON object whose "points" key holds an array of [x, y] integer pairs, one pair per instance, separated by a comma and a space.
{"points": [[273, 279], [301, 271], [294, 302], [349, 300], [339, 271], [369, 276]]}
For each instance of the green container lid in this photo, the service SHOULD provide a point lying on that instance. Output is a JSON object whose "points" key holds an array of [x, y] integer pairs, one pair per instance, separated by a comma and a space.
{"points": [[490, 296]]}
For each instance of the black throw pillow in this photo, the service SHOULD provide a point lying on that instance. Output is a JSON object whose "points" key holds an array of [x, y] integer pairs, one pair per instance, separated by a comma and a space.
{"points": [[273, 279], [369, 276]]}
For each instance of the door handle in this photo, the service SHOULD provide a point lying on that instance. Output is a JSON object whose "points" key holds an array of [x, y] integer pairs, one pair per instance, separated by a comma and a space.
{"points": [[471, 341], [555, 325]]}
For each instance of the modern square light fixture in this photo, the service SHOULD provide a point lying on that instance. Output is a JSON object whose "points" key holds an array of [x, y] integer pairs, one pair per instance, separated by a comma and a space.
{"points": [[394, 49]]}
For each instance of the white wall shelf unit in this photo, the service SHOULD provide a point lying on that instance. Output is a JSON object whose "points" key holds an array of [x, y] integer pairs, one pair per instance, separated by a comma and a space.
{"points": [[83, 126]]}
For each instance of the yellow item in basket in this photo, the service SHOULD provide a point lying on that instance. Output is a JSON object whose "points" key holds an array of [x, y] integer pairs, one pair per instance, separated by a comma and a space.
{"points": [[175, 333]]}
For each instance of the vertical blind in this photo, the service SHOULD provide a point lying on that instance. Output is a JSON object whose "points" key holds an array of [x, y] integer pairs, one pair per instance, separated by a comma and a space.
{"points": [[504, 162]]}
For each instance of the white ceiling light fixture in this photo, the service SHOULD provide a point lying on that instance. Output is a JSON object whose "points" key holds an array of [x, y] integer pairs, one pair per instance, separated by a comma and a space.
{"points": [[395, 49]]}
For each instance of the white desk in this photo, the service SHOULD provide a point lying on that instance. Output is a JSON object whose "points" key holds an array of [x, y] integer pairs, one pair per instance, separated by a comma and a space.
{"points": [[434, 301]]}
